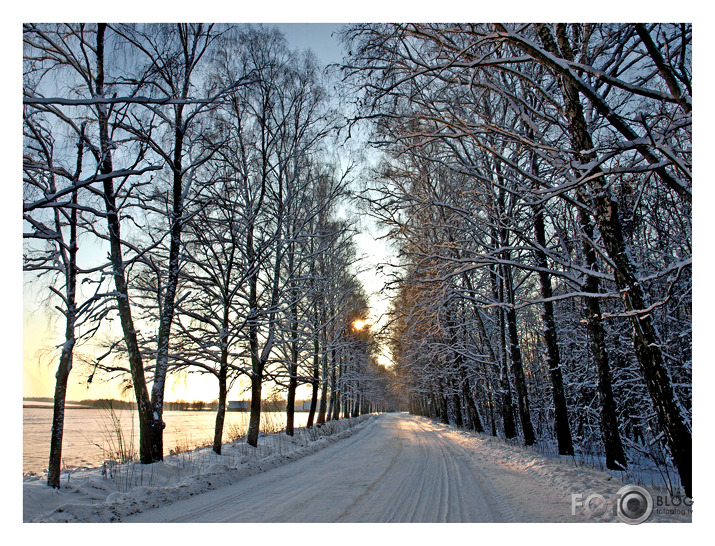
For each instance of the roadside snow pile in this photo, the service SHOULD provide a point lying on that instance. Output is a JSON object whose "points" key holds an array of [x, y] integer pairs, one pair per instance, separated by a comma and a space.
{"points": [[559, 474], [110, 492]]}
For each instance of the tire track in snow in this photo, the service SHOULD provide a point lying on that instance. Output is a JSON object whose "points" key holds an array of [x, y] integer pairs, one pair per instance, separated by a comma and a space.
{"points": [[459, 461], [398, 468], [243, 500], [397, 451]]}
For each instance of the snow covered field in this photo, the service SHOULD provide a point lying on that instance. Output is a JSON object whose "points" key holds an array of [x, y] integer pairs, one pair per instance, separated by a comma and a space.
{"points": [[109, 494], [386, 468], [90, 433]]}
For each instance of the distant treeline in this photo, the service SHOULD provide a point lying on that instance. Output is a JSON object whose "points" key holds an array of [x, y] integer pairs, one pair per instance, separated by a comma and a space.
{"points": [[271, 404], [179, 405], [38, 399], [105, 403]]}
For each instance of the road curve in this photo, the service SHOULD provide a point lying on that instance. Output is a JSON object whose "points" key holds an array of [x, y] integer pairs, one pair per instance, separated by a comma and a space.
{"points": [[398, 468]]}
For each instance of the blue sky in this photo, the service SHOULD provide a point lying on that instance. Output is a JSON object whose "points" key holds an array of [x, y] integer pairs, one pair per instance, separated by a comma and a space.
{"points": [[314, 36]]}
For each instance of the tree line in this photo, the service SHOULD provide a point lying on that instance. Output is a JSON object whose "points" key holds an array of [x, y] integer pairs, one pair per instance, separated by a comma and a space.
{"points": [[537, 188], [184, 212]]}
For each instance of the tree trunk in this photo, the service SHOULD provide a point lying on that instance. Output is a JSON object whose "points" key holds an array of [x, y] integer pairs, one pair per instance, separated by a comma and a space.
{"points": [[491, 416], [322, 410], [505, 394], [222, 383], [337, 392], [506, 402], [172, 280], [55, 466], [315, 380], [475, 422], [293, 366], [561, 414], [221, 411], [257, 363], [69, 258], [254, 422], [615, 456], [323, 382], [293, 373], [333, 379], [517, 366], [441, 398], [148, 452], [646, 341], [290, 404], [347, 401], [457, 410]]}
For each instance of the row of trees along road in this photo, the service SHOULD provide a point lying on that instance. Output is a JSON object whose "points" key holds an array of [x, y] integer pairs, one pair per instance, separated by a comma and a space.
{"points": [[537, 187], [195, 158]]}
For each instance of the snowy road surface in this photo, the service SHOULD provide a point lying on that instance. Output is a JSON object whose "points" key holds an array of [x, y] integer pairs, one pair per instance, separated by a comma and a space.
{"points": [[399, 468]]}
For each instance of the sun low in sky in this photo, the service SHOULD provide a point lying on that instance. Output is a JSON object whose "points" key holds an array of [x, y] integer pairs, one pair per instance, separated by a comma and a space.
{"points": [[359, 324]]}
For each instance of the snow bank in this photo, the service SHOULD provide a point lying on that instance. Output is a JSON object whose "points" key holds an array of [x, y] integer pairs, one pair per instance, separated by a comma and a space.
{"points": [[561, 474], [113, 491]]}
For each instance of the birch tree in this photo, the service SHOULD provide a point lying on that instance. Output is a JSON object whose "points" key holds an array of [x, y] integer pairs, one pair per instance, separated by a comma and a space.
{"points": [[51, 250], [76, 53]]}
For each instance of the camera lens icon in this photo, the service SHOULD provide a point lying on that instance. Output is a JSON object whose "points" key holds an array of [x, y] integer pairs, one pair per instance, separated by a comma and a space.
{"points": [[635, 504]]}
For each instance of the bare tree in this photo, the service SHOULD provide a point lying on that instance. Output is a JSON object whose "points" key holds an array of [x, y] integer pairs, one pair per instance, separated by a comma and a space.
{"points": [[543, 115], [52, 244]]}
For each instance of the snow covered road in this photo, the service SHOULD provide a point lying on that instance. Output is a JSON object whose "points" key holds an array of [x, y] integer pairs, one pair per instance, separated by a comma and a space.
{"points": [[398, 468]]}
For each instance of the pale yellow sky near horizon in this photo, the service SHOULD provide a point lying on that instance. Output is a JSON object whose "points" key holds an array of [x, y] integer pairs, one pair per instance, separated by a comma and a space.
{"points": [[40, 337], [43, 332]]}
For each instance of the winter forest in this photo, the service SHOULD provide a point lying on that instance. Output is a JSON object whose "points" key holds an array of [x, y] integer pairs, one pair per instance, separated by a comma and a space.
{"points": [[192, 193]]}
